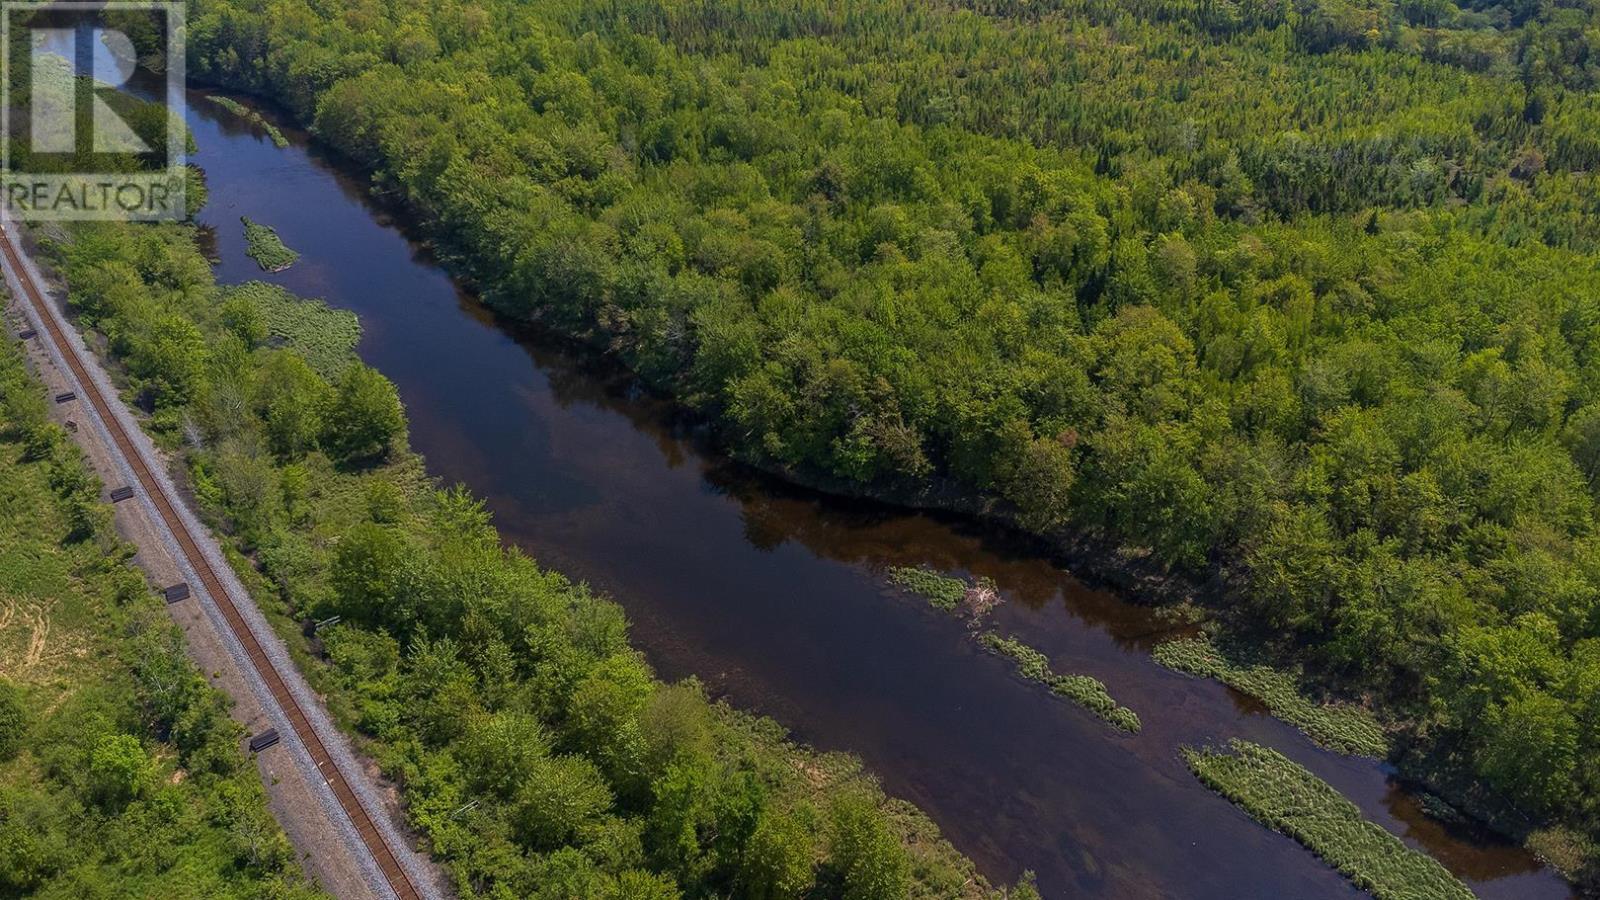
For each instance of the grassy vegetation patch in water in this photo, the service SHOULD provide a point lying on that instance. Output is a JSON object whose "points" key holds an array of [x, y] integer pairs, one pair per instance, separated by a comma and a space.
{"points": [[947, 593], [1090, 693], [1288, 798], [942, 591], [254, 117], [1346, 729], [265, 247], [326, 337]]}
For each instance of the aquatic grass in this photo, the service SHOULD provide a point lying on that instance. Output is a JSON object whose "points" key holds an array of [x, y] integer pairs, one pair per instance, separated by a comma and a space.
{"points": [[1088, 692], [326, 337], [1288, 798], [265, 247], [942, 591], [947, 593], [1342, 728], [252, 116]]}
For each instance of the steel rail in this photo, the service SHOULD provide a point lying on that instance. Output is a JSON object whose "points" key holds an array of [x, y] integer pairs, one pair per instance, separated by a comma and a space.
{"points": [[387, 863]]}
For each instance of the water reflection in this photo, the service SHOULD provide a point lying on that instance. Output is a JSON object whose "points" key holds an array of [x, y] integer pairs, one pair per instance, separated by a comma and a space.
{"points": [[774, 595]]}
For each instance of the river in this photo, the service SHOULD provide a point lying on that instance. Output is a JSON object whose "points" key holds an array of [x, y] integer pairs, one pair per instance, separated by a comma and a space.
{"points": [[775, 597]]}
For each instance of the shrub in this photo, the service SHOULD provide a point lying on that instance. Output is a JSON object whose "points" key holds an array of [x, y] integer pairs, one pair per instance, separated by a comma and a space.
{"points": [[119, 770], [867, 857], [365, 418]]}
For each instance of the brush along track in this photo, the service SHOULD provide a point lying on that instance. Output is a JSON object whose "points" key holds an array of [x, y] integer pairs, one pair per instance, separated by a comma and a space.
{"points": [[156, 492]]}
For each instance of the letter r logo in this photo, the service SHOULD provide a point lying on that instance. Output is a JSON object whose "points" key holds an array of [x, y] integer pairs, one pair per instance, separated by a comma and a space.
{"points": [[92, 110], [61, 103]]}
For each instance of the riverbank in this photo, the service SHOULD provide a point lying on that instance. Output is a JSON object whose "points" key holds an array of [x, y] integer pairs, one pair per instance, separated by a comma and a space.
{"points": [[321, 504], [1140, 339], [434, 339], [1135, 575], [1099, 561], [776, 596]]}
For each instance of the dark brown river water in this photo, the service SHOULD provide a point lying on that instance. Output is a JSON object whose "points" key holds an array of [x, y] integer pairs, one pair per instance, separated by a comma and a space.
{"points": [[776, 597]]}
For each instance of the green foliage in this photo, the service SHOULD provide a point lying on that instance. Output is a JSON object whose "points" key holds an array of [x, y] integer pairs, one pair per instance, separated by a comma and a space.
{"points": [[195, 191], [1347, 729], [537, 751], [324, 336], [169, 359], [1531, 746], [245, 318], [13, 720], [1090, 693], [867, 860], [25, 420], [292, 400], [778, 858], [364, 420], [119, 770], [1305, 290], [562, 797], [50, 84], [942, 591], [131, 780], [255, 118], [265, 247], [369, 572], [1285, 796]]}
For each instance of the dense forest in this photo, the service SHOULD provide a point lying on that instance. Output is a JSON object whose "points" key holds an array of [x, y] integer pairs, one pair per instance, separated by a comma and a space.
{"points": [[1303, 292], [536, 750], [121, 774]]}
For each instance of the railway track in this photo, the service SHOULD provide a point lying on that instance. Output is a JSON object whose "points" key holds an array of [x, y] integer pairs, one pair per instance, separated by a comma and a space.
{"points": [[383, 856]]}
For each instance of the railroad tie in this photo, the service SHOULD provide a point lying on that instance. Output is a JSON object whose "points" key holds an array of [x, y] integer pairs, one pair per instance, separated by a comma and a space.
{"points": [[378, 846], [264, 740]]}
